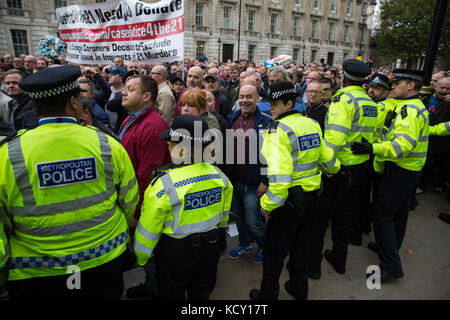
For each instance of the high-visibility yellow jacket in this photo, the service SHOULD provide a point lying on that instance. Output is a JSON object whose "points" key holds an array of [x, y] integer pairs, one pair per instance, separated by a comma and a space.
{"points": [[185, 200], [67, 192], [4, 255], [295, 153], [441, 129], [406, 141], [351, 116], [384, 107]]}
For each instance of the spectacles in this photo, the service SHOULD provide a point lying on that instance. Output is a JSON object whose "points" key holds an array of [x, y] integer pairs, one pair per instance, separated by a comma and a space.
{"points": [[312, 91], [30, 61], [155, 73]]}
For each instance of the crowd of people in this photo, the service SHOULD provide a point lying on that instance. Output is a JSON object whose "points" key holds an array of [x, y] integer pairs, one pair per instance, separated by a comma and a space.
{"points": [[353, 122]]}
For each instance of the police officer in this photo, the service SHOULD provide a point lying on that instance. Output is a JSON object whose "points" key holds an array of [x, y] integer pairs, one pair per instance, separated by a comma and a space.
{"points": [[399, 157], [183, 209], [296, 155], [379, 87], [352, 116], [68, 193]]}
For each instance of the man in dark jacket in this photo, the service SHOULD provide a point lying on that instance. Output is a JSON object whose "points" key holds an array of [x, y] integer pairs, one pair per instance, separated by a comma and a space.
{"points": [[439, 146], [6, 131], [249, 182], [222, 103], [21, 101]]}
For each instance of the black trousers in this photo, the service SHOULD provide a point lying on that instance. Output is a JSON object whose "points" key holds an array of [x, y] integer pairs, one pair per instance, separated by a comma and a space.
{"points": [[104, 282], [288, 232], [320, 221], [187, 266], [391, 205], [339, 202]]}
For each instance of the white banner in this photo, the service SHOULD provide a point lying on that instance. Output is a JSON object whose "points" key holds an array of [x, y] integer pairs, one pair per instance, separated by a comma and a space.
{"points": [[129, 29]]}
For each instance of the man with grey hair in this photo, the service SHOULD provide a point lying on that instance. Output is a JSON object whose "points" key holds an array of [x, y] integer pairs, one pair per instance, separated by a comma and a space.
{"points": [[30, 63], [277, 74], [312, 76], [165, 102]]}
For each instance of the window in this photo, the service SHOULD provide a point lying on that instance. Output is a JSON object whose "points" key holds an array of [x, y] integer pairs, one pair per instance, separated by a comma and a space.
{"points": [[227, 17], [295, 53], [313, 55], [298, 2], [14, 4], [346, 32], [314, 28], [251, 20], [348, 10], [273, 23], [14, 8], [331, 31], [60, 3], [316, 4], [273, 52], [200, 49], [20, 42], [251, 52], [364, 9], [296, 27], [100, 1], [333, 6], [199, 11]]}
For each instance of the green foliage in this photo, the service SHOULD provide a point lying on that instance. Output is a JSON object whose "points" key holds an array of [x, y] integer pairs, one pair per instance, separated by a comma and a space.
{"points": [[405, 29]]}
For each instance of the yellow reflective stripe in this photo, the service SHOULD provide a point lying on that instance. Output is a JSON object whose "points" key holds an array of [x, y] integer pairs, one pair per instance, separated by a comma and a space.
{"points": [[274, 198], [147, 234], [408, 138], [398, 150], [21, 175], [66, 228], [280, 178]]}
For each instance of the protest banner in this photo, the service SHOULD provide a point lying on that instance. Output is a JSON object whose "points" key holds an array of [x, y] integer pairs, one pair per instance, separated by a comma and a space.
{"points": [[129, 29]]}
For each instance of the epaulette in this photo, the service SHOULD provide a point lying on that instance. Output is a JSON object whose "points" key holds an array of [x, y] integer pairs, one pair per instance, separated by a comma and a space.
{"points": [[273, 125], [159, 172], [11, 136], [336, 98]]}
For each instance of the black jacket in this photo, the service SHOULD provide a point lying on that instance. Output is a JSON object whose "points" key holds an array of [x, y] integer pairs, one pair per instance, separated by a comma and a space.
{"points": [[318, 113], [440, 144], [102, 91], [6, 131], [24, 104], [115, 105]]}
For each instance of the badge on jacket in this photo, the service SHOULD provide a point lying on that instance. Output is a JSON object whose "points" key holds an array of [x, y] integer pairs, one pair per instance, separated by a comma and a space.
{"points": [[336, 98], [403, 112]]}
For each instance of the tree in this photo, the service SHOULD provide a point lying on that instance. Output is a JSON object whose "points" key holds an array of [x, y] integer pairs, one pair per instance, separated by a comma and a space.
{"points": [[405, 30]]}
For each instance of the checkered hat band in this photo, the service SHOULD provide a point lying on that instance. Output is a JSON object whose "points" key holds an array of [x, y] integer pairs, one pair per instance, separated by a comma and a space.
{"points": [[55, 91], [353, 78], [408, 76], [277, 94], [378, 82], [178, 133]]}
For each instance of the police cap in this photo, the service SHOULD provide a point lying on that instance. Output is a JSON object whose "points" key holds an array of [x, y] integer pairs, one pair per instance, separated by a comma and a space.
{"points": [[188, 123], [281, 90], [380, 80], [355, 70], [51, 82], [408, 74], [129, 74]]}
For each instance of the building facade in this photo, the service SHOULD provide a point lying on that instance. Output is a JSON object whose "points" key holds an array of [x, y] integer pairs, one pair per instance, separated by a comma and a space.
{"points": [[256, 30]]}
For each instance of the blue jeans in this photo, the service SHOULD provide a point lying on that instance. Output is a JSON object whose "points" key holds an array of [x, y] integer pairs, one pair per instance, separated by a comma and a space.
{"points": [[247, 211]]}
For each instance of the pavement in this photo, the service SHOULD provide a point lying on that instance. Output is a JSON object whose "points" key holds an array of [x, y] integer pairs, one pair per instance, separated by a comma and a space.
{"points": [[425, 256]]}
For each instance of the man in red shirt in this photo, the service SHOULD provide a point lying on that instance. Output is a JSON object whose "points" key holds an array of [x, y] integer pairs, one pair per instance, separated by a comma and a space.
{"points": [[139, 135], [139, 132]]}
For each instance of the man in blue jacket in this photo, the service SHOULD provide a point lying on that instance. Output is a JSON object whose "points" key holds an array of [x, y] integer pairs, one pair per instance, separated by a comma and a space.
{"points": [[247, 173]]}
